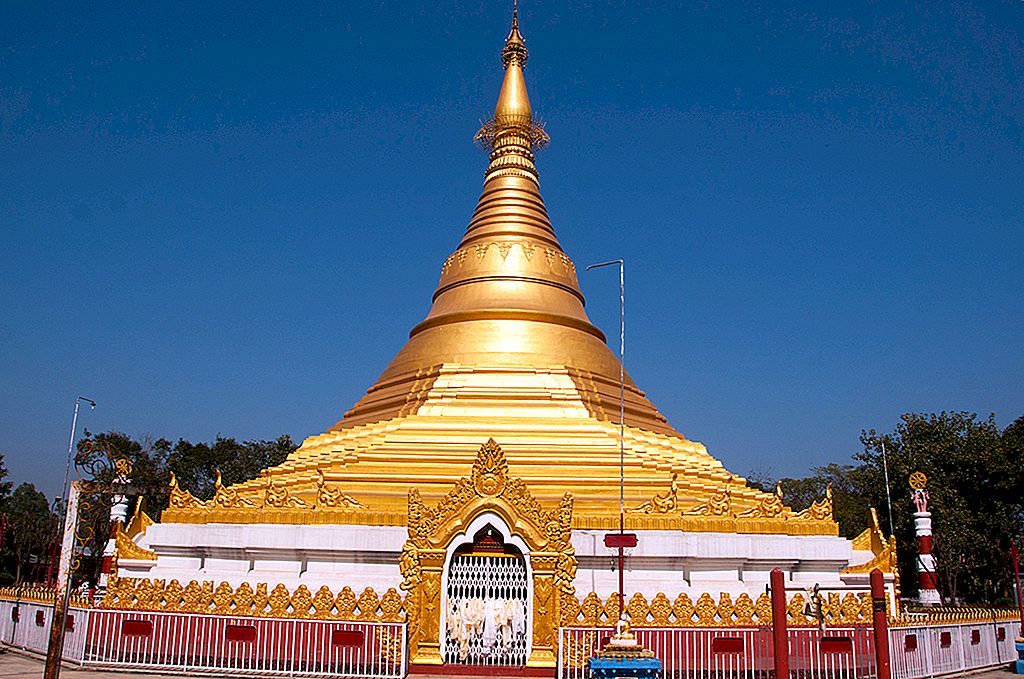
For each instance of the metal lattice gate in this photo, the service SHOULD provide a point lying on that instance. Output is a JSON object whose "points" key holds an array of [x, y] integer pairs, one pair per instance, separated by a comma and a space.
{"points": [[487, 611]]}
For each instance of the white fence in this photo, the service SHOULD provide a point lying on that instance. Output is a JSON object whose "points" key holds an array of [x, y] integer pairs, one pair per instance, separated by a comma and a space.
{"points": [[221, 645], [935, 650], [226, 645], [229, 644], [733, 652], [25, 624]]}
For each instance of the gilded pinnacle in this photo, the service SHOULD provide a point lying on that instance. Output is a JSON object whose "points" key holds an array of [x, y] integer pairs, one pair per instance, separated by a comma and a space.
{"points": [[515, 47], [513, 127]]}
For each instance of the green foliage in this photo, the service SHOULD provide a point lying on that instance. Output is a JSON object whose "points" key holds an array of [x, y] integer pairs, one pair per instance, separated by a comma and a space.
{"points": [[196, 464], [5, 486], [850, 506], [148, 458], [32, 526], [153, 460], [975, 482]]}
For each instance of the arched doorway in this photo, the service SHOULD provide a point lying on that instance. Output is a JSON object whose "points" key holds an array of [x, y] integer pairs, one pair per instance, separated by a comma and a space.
{"points": [[489, 497], [487, 584]]}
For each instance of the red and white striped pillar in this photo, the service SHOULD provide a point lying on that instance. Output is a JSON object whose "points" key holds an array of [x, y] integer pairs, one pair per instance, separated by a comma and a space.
{"points": [[928, 590]]}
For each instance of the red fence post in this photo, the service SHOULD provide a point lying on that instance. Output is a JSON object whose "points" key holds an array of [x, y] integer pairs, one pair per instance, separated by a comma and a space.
{"points": [[881, 624], [780, 635]]}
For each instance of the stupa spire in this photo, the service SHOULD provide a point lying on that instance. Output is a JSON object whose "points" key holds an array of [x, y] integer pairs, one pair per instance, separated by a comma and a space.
{"points": [[512, 134], [508, 300]]}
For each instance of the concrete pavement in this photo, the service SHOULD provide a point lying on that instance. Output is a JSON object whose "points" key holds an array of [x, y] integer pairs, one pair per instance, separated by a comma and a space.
{"points": [[17, 665]]}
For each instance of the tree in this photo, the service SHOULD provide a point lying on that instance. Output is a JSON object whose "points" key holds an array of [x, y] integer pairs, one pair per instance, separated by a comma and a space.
{"points": [[196, 464], [976, 475], [851, 507], [5, 486], [148, 458], [33, 527]]}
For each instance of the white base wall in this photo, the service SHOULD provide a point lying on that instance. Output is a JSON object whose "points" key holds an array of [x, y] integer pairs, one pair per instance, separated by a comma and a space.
{"points": [[672, 562]]}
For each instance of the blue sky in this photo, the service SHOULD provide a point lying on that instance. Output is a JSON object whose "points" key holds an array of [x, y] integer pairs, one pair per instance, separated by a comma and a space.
{"points": [[226, 219]]}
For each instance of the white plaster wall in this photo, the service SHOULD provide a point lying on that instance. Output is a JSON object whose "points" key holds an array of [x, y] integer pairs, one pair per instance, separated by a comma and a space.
{"points": [[365, 556], [675, 562], [335, 556]]}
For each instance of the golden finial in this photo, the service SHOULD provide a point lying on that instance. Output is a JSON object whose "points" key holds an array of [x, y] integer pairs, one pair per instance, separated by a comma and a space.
{"points": [[513, 114], [918, 480], [515, 47]]}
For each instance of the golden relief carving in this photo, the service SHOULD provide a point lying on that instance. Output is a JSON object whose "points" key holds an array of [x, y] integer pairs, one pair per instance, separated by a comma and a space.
{"points": [[719, 505], [769, 507], [40, 594], [706, 610], [683, 610], [229, 505], [346, 603], [281, 497], [143, 594], [662, 503], [180, 498], [323, 601], [543, 620], [301, 602], [228, 497], [638, 609], [332, 497], [745, 611], [709, 612], [613, 607], [883, 550], [820, 510], [140, 521], [125, 547], [661, 610], [391, 606], [490, 487], [490, 472]]}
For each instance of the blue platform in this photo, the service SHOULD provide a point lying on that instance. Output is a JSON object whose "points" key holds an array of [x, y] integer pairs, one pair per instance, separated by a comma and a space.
{"points": [[1019, 644], [614, 668]]}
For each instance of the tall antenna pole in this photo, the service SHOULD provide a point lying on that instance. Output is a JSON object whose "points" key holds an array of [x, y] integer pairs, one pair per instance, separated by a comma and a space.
{"points": [[621, 541], [71, 442], [888, 494], [622, 396], [622, 386]]}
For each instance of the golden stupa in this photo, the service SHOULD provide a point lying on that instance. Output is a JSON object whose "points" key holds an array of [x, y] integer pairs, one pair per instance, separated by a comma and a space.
{"points": [[508, 353]]}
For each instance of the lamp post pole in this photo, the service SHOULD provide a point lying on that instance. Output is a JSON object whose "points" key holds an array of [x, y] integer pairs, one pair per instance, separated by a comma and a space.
{"points": [[55, 647], [71, 441], [621, 540]]}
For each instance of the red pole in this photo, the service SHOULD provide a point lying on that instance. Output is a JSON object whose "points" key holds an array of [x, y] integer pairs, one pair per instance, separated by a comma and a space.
{"points": [[780, 635], [881, 624], [49, 566], [622, 589], [1016, 572]]}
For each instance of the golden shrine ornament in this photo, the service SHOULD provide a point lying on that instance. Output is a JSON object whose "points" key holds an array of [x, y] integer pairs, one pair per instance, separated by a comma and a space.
{"points": [[918, 480]]}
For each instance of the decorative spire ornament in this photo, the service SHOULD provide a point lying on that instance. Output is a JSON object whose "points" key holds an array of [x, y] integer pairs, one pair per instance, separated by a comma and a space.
{"points": [[513, 131]]}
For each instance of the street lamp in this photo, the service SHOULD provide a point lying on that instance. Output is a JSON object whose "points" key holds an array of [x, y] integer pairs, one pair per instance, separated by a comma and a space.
{"points": [[621, 540], [54, 649], [71, 442]]}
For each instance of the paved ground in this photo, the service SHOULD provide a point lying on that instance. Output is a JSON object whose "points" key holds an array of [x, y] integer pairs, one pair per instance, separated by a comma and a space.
{"points": [[15, 665]]}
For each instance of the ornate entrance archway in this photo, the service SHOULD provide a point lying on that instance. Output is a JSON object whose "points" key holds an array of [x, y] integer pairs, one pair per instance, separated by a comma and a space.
{"points": [[489, 497], [487, 599]]}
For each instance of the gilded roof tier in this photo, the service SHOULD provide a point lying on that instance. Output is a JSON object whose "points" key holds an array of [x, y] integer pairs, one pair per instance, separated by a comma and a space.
{"points": [[506, 352]]}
